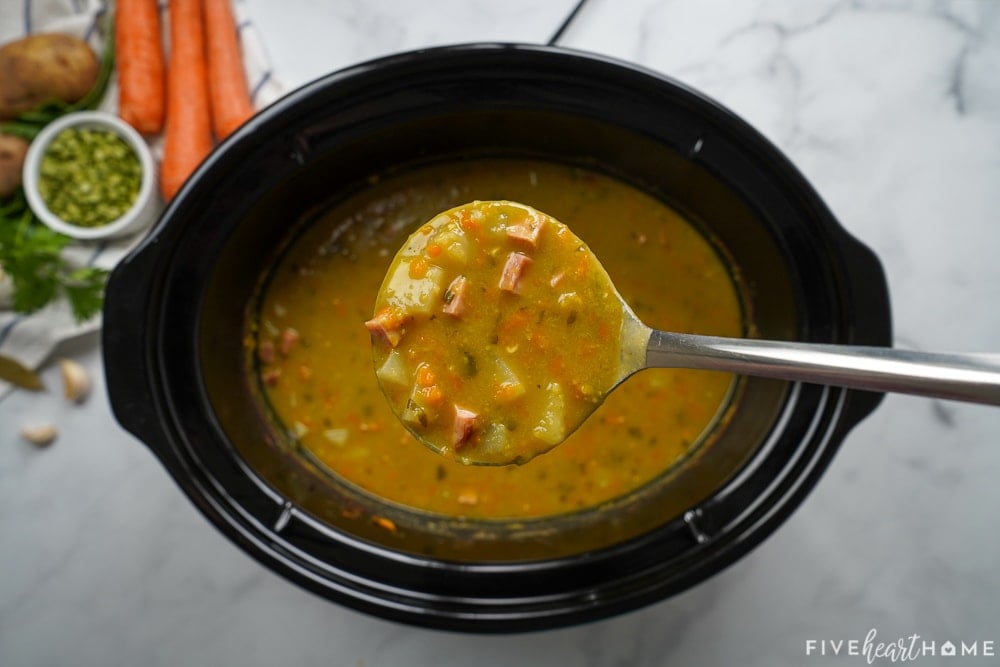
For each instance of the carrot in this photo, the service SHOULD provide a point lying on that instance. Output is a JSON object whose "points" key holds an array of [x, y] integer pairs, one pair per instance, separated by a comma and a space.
{"points": [[470, 225], [141, 87], [433, 395], [418, 268], [515, 323], [188, 136], [425, 376], [230, 97]]}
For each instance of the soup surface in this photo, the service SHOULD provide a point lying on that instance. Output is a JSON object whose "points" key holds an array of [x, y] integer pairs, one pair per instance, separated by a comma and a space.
{"points": [[313, 354]]}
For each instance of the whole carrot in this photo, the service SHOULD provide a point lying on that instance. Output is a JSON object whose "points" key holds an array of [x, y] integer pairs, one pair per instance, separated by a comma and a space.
{"points": [[227, 83], [188, 136], [140, 64]]}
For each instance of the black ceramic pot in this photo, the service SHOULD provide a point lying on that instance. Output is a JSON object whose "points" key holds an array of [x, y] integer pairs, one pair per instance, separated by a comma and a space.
{"points": [[176, 308]]}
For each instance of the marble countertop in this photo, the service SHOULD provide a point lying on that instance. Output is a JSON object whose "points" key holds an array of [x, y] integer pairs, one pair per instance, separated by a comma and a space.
{"points": [[890, 107]]}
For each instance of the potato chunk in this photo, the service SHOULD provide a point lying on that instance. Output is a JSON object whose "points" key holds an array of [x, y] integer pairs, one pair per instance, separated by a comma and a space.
{"points": [[551, 429]]}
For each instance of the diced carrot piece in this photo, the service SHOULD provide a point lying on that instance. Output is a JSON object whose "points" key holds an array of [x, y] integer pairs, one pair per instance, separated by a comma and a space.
{"points": [[454, 296], [540, 340], [556, 366], [513, 271], [432, 395], [465, 425], [469, 224], [382, 522], [370, 426], [425, 376], [418, 267], [513, 326], [434, 250], [615, 419]]}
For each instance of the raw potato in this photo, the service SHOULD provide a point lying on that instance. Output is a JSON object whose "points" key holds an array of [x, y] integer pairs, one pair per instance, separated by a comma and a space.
{"points": [[12, 150], [43, 67]]}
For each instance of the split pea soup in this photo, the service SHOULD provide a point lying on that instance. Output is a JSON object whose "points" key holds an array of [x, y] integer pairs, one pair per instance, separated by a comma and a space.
{"points": [[312, 353], [532, 324]]}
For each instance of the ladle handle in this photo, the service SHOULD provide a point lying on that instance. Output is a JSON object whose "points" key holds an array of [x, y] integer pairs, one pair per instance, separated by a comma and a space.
{"points": [[961, 377]]}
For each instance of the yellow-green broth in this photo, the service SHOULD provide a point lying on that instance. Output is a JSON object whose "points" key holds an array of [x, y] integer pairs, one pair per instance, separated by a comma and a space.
{"points": [[314, 355]]}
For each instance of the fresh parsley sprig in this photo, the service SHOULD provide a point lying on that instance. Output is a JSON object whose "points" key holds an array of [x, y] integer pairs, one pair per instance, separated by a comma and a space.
{"points": [[31, 254]]}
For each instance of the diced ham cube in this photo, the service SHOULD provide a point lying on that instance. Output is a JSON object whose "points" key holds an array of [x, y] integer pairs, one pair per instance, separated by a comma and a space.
{"points": [[289, 337], [527, 230], [271, 376], [513, 270], [465, 425], [265, 352], [388, 325], [455, 296]]}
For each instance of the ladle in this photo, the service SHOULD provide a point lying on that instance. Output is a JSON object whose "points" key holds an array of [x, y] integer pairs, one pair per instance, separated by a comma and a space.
{"points": [[497, 332]]}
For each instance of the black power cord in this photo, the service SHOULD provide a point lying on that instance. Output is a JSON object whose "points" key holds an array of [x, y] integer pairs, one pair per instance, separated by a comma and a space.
{"points": [[557, 35]]}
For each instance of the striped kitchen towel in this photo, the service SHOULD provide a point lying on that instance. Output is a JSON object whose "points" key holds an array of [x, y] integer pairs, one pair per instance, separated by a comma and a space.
{"points": [[31, 339]]}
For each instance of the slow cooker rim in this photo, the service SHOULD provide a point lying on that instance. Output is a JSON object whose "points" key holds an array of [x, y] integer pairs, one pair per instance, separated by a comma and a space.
{"points": [[203, 181]]}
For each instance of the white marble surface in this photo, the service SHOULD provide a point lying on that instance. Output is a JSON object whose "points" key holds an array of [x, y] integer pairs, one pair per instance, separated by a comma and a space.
{"points": [[891, 108]]}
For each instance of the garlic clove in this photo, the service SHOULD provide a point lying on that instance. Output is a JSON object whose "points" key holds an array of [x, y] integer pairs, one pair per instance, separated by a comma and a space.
{"points": [[76, 380], [39, 434]]}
